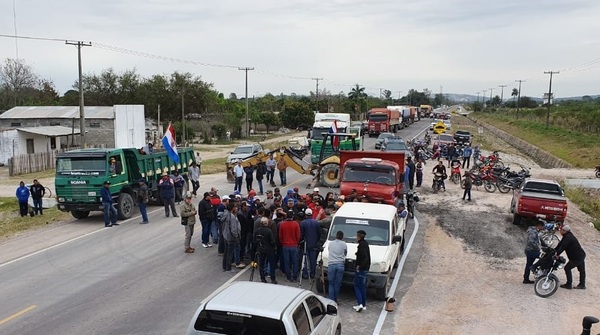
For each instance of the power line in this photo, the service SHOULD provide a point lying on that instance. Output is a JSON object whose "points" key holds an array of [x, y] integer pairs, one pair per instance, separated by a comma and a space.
{"points": [[34, 38]]}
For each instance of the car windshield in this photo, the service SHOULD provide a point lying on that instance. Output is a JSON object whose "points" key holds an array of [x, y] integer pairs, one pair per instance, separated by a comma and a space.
{"points": [[242, 150], [383, 136], [317, 133], [372, 174], [221, 322], [395, 146], [378, 231], [378, 117], [77, 166]]}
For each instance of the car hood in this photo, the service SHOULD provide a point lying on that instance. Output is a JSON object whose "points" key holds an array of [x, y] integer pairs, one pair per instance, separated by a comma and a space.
{"points": [[380, 255], [235, 157]]}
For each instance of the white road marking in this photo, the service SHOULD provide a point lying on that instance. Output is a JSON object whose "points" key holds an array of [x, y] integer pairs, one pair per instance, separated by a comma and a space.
{"points": [[398, 274]]}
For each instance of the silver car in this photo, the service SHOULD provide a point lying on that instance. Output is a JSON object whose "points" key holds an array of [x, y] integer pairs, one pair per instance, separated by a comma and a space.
{"points": [[254, 308]]}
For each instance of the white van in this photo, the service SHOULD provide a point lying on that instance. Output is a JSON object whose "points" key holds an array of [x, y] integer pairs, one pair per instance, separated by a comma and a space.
{"points": [[385, 235]]}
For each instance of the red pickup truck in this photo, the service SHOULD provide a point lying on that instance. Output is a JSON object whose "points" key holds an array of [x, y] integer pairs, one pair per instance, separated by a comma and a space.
{"points": [[378, 175], [539, 197]]}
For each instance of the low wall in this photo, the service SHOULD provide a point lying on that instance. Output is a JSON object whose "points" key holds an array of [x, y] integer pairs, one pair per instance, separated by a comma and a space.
{"points": [[543, 158]]}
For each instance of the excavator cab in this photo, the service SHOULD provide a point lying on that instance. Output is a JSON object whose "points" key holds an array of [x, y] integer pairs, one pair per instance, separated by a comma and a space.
{"points": [[329, 158]]}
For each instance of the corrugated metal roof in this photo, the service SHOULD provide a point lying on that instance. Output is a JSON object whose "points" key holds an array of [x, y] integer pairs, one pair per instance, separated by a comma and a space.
{"points": [[50, 130], [58, 112]]}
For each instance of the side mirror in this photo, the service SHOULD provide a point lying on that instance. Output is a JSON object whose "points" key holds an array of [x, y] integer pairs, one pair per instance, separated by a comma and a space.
{"points": [[397, 239], [331, 310]]}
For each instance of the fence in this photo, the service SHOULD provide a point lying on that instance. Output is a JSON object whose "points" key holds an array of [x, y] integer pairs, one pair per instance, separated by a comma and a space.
{"points": [[28, 163]]}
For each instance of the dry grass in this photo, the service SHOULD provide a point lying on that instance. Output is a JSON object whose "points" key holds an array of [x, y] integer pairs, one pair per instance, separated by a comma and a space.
{"points": [[12, 223], [27, 178], [214, 165]]}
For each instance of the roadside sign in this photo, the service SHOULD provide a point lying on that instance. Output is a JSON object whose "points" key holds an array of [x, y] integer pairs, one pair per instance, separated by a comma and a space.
{"points": [[439, 128]]}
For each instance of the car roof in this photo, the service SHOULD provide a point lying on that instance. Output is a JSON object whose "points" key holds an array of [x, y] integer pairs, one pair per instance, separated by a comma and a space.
{"points": [[366, 210], [266, 300], [385, 134]]}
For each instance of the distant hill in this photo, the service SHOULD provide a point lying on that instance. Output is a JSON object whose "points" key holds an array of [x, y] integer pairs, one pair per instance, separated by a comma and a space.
{"points": [[469, 98]]}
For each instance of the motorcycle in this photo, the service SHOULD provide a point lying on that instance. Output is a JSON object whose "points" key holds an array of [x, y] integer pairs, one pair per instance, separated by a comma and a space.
{"points": [[511, 180], [437, 182], [479, 179], [455, 174], [546, 282], [598, 171]]}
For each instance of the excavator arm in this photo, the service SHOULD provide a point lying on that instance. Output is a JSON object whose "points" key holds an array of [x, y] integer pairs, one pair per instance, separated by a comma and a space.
{"points": [[293, 161]]}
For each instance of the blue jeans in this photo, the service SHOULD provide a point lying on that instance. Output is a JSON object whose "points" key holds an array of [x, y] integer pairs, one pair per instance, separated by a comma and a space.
{"points": [[206, 229], [238, 184], [531, 257], [266, 263], [143, 211], [37, 206], [335, 273], [110, 213], [236, 252], [360, 287], [270, 175], [260, 185], [214, 232], [290, 259], [282, 177]]}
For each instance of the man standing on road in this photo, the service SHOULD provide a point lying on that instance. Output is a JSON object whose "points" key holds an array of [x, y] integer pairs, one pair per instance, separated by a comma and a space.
{"points": [[310, 233], [411, 173], [467, 153], [337, 258], [451, 153], [363, 264], [468, 186], [188, 215], [238, 172], [232, 234], [110, 212], [37, 193], [271, 164], [142, 198], [282, 166], [249, 171], [194, 172], [261, 170], [289, 237], [419, 172], [532, 249], [571, 246], [22, 196], [265, 244], [167, 193], [206, 212], [178, 183]]}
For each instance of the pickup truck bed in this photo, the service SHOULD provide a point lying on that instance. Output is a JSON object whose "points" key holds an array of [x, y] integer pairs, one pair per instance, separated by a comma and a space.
{"points": [[539, 197]]}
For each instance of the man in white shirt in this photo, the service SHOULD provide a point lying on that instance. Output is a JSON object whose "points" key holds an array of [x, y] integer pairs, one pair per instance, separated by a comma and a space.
{"points": [[238, 172], [194, 173]]}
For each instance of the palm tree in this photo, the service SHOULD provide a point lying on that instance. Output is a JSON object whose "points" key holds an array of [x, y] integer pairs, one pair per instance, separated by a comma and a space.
{"points": [[357, 94], [515, 92]]}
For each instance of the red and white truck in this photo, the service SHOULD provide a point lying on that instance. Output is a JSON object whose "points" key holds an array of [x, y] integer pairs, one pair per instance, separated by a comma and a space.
{"points": [[378, 175], [382, 120], [539, 197]]}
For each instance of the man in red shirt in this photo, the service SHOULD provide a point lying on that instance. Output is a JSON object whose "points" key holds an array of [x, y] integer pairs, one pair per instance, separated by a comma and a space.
{"points": [[289, 237]]}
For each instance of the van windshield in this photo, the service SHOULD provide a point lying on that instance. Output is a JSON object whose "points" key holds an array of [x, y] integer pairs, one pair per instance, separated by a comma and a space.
{"points": [[81, 166], [221, 322], [378, 231]]}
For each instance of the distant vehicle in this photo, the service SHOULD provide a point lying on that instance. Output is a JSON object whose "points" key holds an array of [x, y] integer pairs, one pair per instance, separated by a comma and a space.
{"points": [[256, 308], [383, 120], [448, 124], [433, 123], [443, 139], [380, 139], [462, 137], [244, 151], [396, 144]]}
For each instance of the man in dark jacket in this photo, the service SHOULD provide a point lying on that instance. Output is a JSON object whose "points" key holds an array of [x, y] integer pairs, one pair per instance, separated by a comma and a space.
{"points": [[571, 246], [22, 196], [37, 193], [265, 244], [532, 249], [261, 170], [206, 213], [310, 232], [363, 264], [249, 171], [167, 193], [411, 173], [110, 212]]}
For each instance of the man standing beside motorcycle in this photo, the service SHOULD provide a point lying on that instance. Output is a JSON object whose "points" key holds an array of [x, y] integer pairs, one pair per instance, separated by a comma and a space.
{"points": [[571, 246], [532, 249]]}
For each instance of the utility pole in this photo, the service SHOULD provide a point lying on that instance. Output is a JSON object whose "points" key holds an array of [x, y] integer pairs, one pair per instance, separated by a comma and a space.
{"points": [[247, 118], [519, 96], [549, 96], [483, 98], [478, 96], [491, 92], [182, 119], [502, 93], [158, 127], [80, 44], [317, 92]]}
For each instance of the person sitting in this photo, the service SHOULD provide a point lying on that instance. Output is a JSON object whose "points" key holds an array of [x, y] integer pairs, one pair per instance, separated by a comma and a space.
{"points": [[402, 211]]}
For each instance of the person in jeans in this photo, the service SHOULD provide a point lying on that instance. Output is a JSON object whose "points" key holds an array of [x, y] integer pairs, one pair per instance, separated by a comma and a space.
{"points": [[261, 170], [337, 258], [265, 244], [206, 212], [142, 197], [37, 193], [188, 212], [468, 186], [167, 192], [110, 212], [22, 196], [532, 249], [232, 233], [570, 245], [282, 166], [310, 233], [194, 172], [271, 165], [467, 153], [178, 183], [289, 237], [238, 172], [363, 264]]}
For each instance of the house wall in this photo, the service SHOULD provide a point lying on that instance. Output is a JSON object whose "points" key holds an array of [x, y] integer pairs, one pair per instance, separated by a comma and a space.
{"points": [[6, 144]]}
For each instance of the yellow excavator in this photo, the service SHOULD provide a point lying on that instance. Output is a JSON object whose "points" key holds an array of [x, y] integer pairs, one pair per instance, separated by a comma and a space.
{"points": [[326, 172]]}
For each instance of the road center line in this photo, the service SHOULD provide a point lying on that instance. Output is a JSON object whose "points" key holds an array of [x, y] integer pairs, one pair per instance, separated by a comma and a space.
{"points": [[17, 314], [398, 274]]}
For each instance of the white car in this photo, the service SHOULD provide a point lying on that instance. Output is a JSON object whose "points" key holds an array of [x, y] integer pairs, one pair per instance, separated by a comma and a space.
{"points": [[257, 308], [244, 151], [448, 124]]}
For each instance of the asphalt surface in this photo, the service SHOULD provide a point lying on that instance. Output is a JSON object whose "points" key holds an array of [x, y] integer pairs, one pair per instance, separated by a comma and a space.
{"points": [[79, 277]]}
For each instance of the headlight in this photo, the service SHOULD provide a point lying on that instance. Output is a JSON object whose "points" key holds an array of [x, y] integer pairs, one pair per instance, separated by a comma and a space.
{"points": [[61, 199]]}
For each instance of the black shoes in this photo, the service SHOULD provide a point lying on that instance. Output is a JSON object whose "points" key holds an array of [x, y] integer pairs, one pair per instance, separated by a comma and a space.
{"points": [[527, 281], [579, 287], [116, 224], [567, 286]]}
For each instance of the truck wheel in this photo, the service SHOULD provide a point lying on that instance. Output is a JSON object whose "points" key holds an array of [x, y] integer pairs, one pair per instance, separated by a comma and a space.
{"points": [[80, 214], [125, 206], [381, 292], [516, 219], [330, 175]]}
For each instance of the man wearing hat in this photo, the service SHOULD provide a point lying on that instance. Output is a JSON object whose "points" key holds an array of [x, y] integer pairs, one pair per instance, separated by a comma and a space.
{"points": [[265, 244], [363, 264], [167, 193], [110, 212], [142, 197], [206, 213], [316, 194], [571, 246], [188, 212]]}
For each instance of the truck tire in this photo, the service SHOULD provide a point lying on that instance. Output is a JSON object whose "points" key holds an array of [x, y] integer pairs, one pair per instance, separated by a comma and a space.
{"points": [[330, 175], [516, 219], [125, 206], [80, 214]]}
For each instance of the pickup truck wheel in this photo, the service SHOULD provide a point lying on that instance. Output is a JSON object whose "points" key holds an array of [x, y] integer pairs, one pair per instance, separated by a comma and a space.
{"points": [[125, 206], [80, 214], [381, 292], [516, 219], [330, 175]]}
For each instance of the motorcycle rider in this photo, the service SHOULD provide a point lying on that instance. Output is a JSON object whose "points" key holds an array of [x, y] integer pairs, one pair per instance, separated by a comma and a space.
{"points": [[532, 249], [440, 168], [571, 246]]}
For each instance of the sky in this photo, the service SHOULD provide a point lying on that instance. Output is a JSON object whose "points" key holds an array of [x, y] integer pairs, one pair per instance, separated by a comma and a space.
{"points": [[449, 46]]}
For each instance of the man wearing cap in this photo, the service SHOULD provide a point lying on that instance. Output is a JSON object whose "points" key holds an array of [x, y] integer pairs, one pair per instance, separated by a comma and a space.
{"points": [[167, 193], [264, 245], [178, 183], [310, 233], [188, 212], [142, 197], [571, 246], [110, 212], [363, 264], [194, 172], [206, 213], [221, 209], [316, 194], [238, 173], [269, 200], [402, 211], [289, 237]]}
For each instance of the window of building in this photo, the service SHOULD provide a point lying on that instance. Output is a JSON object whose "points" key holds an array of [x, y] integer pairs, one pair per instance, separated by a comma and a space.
{"points": [[52, 143], [15, 124], [54, 123], [94, 124]]}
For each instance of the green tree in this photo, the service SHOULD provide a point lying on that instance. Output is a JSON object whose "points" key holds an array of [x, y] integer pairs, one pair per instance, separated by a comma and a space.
{"points": [[438, 99], [270, 120], [495, 101], [527, 102], [296, 113], [357, 95], [514, 93]]}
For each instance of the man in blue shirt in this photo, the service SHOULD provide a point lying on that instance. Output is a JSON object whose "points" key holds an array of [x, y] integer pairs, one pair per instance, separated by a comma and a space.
{"points": [[23, 197], [110, 212], [467, 152], [310, 233], [402, 211]]}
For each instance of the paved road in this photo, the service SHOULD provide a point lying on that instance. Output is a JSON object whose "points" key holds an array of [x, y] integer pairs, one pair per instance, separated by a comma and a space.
{"points": [[80, 278], [585, 183]]}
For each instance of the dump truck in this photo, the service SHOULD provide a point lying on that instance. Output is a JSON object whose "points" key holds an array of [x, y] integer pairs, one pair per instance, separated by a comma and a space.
{"points": [[80, 175]]}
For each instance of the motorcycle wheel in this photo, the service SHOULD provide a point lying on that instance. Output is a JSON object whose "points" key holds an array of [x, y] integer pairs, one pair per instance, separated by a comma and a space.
{"points": [[502, 187], [435, 187], [455, 178], [545, 286], [597, 174], [490, 187], [499, 164], [462, 184]]}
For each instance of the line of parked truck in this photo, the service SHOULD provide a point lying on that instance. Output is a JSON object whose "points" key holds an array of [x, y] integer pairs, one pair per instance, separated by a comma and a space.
{"points": [[393, 118]]}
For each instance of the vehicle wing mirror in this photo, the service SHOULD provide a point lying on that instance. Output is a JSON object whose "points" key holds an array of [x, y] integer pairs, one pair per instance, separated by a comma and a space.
{"points": [[331, 310], [397, 239]]}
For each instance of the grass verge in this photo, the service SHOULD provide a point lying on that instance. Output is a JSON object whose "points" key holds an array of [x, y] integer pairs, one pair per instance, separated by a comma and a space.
{"points": [[587, 200], [12, 223], [214, 165]]}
